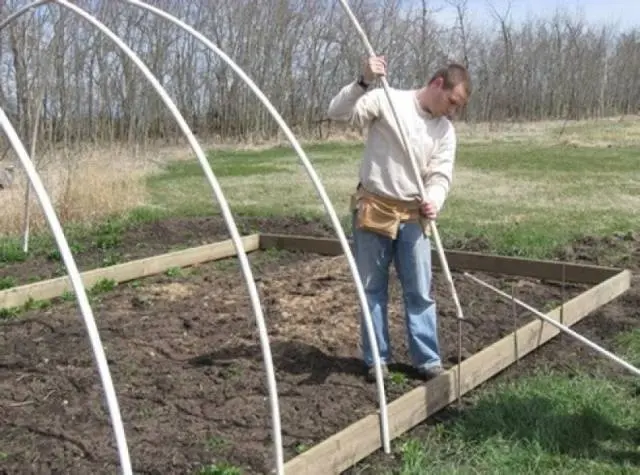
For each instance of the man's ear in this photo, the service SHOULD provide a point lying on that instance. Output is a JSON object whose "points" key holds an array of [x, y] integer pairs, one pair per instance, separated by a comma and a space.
{"points": [[438, 82]]}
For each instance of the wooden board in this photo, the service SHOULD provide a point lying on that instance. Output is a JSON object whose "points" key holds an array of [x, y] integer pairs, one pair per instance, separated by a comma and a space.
{"points": [[461, 260], [344, 449], [127, 271]]}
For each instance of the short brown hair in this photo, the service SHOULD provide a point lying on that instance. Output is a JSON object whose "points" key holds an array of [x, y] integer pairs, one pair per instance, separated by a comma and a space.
{"points": [[454, 74]]}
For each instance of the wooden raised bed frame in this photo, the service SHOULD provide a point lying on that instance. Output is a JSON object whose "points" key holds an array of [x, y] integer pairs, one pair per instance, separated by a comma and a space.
{"points": [[357, 441]]}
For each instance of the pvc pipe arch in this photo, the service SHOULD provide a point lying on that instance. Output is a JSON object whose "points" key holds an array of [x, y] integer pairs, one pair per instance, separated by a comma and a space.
{"points": [[311, 172], [15, 15], [78, 287], [320, 190], [219, 195]]}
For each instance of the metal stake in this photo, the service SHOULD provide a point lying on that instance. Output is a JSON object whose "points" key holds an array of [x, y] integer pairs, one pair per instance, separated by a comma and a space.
{"points": [[459, 388], [563, 293], [514, 312]]}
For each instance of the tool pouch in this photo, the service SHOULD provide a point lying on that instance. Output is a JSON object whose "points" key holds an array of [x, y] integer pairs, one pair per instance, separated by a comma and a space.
{"points": [[377, 217]]}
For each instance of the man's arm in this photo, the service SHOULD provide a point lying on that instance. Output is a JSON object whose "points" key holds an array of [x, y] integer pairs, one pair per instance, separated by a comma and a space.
{"points": [[355, 105], [440, 175]]}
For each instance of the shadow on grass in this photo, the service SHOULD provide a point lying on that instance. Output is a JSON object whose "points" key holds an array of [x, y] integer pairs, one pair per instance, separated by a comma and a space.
{"points": [[580, 428]]}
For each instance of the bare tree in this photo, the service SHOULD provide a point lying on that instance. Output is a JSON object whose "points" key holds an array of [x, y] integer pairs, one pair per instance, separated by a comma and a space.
{"points": [[299, 52]]}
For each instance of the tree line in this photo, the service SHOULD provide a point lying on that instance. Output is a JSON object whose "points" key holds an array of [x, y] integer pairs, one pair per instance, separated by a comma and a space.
{"points": [[57, 66]]}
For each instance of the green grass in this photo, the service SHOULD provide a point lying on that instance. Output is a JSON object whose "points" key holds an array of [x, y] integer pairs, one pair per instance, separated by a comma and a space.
{"points": [[523, 199], [630, 342], [547, 423], [256, 182]]}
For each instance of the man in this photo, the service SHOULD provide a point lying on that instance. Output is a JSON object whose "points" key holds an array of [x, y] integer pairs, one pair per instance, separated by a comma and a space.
{"points": [[390, 221]]}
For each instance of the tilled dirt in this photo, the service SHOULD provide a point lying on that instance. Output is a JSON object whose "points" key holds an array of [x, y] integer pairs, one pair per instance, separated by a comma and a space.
{"points": [[111, 245], [187, 365]]}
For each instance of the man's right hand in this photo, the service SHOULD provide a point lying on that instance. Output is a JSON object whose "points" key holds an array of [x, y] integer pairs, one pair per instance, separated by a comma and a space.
{"points": [[373, 68]]}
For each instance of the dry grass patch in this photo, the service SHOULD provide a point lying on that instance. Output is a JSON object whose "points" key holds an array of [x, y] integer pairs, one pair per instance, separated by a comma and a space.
{"points": [[604, 132], [84, 185], [172, 291]]}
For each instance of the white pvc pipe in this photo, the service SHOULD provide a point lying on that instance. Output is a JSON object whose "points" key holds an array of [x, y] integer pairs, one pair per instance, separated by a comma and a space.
{"points": [[434, 229], [78, 287], [319, 188], [246, 270], [558, 325], [21, 11], [228, 217], [432, 223]]}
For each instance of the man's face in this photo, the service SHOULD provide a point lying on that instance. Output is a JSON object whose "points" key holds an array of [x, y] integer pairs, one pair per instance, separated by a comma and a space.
{"points": [[447, 102]]}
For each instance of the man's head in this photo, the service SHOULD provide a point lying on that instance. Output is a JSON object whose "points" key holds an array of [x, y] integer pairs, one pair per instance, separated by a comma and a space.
{"points": [[448, 90]]}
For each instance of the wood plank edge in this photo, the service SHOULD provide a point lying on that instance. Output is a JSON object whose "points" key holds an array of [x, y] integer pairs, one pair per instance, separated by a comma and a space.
{"points": [[491, 263], [127, 271], [347, 447]]}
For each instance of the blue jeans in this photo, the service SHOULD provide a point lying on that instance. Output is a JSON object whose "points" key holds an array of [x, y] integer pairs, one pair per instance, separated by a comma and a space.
{"points": [[411, 253]]}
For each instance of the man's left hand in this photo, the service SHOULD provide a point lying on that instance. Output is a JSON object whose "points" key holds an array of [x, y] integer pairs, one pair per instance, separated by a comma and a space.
{"points": [[428, 210]]}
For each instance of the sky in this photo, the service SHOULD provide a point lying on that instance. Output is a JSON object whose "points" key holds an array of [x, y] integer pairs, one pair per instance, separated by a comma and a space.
{"points": [[623, 14]]}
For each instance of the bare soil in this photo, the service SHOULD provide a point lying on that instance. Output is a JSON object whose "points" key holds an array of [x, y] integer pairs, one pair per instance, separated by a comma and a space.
{"points": [[111, 245], [187, 365]]}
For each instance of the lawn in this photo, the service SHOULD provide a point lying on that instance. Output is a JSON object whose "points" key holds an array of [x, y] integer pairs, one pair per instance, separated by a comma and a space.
{"points": [[519, 197], [524, 199]]}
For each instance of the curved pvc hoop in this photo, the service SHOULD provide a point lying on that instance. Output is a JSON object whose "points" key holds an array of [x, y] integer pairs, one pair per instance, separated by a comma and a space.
{"points": [[228, 217], [319, 188], [235, 236], [22, 11], [434, 229], [78, 287]]}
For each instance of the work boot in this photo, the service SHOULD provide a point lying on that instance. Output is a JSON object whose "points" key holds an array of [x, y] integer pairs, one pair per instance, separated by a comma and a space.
{"points": [[430, 373], [371, 373]]}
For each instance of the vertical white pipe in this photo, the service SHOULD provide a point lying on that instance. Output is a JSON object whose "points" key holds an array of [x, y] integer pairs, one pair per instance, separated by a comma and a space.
{"points": [[228, 217], [319, 188], [78, 287], [74, 275], [405, 141]]}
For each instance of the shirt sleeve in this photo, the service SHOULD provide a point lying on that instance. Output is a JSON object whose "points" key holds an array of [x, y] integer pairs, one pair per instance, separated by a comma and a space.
{"points": [[355, 105], [440, 175]]}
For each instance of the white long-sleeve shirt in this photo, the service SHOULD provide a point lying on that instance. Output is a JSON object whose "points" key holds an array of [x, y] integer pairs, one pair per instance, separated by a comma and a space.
{"points": [[386, 168]]}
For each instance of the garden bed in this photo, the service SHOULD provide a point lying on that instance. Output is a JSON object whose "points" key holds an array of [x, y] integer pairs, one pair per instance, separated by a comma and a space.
{"points": [[184, 355]]}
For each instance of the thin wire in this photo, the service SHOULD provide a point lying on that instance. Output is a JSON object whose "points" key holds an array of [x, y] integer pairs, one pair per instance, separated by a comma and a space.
{"points": [[558, 325]]}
